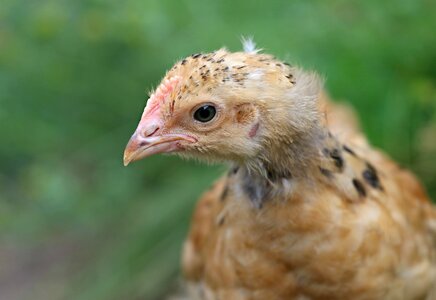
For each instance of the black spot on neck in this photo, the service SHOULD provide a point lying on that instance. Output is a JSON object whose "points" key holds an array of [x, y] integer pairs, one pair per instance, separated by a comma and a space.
{"points": [[371, 177], [255, 192], [196, 55], [325, 172], [347, 149], [359, 187], [256, 187], [335, 154]]}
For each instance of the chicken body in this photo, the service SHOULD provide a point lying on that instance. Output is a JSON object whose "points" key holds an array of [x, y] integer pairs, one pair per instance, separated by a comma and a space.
{"points": [[316, 239], [308, 210]]}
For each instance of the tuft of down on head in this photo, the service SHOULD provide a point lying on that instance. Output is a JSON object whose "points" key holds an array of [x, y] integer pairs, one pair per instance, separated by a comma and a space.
{"points": [[223, 106], [249, 45]]}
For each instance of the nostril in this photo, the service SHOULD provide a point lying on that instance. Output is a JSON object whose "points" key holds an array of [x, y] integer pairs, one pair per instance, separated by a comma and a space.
{"points": [[157, 128], [151, 131]]}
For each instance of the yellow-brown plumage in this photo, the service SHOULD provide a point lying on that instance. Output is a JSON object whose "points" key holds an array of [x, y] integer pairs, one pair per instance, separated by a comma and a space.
{"points": [[308, 210]]}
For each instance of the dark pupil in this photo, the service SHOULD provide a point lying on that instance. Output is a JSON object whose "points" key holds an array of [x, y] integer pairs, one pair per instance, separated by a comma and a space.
{"points": [[205, 113]]}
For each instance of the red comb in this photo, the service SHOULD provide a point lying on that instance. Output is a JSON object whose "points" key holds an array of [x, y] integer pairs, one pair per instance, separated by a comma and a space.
{"points": [[160, 95]]}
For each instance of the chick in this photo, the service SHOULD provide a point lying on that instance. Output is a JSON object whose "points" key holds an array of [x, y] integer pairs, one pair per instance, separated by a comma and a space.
{"points": [[308, 209]]}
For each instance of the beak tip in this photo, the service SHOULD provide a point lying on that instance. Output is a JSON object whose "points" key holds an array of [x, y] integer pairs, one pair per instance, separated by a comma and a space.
{"points": [[126, 160], [129, 151]]}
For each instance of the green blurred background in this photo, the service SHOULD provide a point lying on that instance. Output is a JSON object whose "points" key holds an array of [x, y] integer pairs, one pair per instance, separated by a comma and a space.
{"points": [[76, 224]]}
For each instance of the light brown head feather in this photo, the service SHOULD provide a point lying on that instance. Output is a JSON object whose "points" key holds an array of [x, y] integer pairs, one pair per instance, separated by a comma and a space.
{"points": [[278, 103]]}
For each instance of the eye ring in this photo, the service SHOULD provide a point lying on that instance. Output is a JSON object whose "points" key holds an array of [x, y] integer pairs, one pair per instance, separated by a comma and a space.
{"points": [[205, 113]]}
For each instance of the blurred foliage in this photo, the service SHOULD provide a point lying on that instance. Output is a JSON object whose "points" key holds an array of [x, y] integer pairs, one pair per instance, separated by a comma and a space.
{"points": [[76, 224]]}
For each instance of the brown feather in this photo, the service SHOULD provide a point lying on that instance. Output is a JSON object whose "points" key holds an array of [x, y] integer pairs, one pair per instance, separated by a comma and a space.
{"points": [[320, 243]]}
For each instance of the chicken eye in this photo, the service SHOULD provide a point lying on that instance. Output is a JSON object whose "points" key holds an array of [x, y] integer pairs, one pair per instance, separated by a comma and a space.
{"points": [[205, 113]]}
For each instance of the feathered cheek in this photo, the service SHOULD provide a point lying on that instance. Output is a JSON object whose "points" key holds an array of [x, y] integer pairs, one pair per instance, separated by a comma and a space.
{"points": [[247, 115]]}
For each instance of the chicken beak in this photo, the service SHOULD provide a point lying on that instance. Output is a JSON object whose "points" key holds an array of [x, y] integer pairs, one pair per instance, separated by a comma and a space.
{"points": [[148, 138], [140, 147]]}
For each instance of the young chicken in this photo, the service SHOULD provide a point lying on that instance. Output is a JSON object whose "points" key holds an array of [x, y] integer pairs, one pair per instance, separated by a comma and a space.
{"points": [[308, 209]]}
